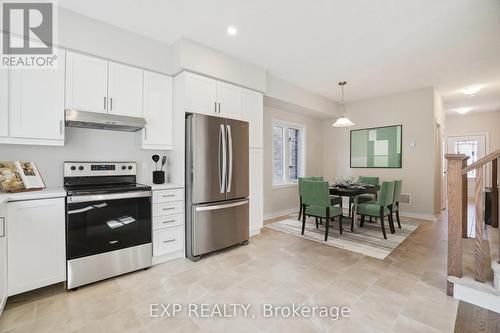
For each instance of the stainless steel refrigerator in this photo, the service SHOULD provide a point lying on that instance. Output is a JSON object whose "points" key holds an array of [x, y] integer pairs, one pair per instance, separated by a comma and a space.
{"points": [[216, 184]]}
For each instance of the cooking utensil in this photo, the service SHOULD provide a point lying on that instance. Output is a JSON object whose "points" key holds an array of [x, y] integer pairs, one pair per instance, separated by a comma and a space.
{"points": [[156, 158], [163, 161]]}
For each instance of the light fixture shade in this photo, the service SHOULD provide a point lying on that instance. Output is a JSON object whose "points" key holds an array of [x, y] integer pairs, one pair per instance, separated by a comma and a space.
{"points": [[343, 122]]}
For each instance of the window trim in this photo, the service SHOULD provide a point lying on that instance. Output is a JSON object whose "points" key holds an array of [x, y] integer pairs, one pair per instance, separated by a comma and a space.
{"points": [[302, 151]]}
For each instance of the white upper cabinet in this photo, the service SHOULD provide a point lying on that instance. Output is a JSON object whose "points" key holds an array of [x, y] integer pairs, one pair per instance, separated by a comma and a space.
{"points": [[37, 103], [4, 102], [201, 94], [86, 83], [252, 110], [229, 100], [157, 110], [125, 90]]}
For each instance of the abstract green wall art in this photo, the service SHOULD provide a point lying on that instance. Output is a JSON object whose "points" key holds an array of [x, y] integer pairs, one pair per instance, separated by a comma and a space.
{"points": [[378, 147]]}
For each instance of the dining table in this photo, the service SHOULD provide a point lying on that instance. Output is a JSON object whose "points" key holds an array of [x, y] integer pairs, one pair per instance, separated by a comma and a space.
{"points": [[353, 190]]}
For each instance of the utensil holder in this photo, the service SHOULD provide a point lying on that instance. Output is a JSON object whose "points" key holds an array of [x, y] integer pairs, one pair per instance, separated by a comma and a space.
{"points": [[158, 177]]}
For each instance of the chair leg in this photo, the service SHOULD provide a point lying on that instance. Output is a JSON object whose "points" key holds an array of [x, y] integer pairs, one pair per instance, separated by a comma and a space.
{"points": [[371, 220], [350, 207], [300, 207], [327, 223], [391, 224], [317, 223], [340, 224], [397, 215], [320, 220], [362, 223], [382, 221], [303, 219]]}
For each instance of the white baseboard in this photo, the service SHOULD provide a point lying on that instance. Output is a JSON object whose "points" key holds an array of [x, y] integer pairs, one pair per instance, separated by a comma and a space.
{"points": [[280, 213], [254, 232], [427, 217]]}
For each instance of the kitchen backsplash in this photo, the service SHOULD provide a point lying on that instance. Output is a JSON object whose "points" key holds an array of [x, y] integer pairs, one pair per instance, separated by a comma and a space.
{"points": [[85, 145]]}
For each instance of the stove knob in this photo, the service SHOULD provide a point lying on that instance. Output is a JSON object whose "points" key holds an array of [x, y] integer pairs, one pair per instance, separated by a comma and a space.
{"points": [[123, 167], [80, 168], [130, 167], [73, 168]]}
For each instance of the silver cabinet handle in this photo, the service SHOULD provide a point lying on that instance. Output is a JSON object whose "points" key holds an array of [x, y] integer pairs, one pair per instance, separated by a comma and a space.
{"points": [[2, 230], [222, 151], [215, 107], [169, 221], [113, 242], [105, 103], [230, 158], [169, 208], [168, 196], [219, 107], [60, 127], [111, 103], [169, 240]]}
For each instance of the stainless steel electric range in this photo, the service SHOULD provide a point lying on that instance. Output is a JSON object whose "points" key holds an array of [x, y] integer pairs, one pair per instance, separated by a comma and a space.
{"points": [[108, 221]]}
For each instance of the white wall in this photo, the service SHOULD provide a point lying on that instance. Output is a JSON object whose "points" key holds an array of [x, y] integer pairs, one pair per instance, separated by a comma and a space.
{"points": [[415, 111], [476, 123], [280, 200], [83, 145]]}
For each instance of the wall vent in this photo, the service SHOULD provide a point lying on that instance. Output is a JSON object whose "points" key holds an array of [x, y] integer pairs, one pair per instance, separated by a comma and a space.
{"points": [[405, 198]]}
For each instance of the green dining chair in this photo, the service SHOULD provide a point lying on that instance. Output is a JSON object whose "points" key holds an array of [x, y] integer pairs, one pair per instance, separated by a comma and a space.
{"points": [[380, 208], [398, 184], [364, 197], [316, 202], [335, 200]]}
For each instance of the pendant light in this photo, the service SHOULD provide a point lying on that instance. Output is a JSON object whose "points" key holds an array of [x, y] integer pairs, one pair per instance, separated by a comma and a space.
{"points": [[343, 121]]}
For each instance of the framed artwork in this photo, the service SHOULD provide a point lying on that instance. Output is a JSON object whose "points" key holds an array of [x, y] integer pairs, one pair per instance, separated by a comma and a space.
{"points": [[378, 147]]}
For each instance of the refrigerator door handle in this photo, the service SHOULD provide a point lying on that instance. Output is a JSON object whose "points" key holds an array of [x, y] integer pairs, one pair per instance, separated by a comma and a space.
{"points": [[222, 151], [230, 158], [223, 206]]}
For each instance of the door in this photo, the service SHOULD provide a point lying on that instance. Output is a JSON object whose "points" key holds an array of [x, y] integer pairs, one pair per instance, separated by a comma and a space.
{"points": [[37, 102], [106, 224], [125, 90], [86, 83], [256, 190], [157, 110], [206, 162], [4, 102], [201, 94], [252, 105], [216, 226], [229, 100], [3, 258], [237, 159], [36, 246], [473, 146]]}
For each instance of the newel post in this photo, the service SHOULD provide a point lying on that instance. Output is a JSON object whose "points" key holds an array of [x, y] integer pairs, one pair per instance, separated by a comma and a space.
{"points": [[455, 213]]}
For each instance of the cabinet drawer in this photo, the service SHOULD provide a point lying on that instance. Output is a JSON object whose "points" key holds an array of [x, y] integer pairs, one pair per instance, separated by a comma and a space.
{"points": [[168, 240], [161, 222], [168, 195], [168, 208]]}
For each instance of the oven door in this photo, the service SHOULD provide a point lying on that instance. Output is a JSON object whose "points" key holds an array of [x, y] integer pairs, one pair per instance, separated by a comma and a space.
{"points": [[102, 223]]}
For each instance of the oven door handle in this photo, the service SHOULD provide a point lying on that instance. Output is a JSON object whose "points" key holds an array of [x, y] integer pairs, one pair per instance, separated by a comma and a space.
{"points": [[112, 196]]}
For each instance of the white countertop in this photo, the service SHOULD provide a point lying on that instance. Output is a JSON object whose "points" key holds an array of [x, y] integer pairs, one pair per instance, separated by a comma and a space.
{"points": [[166, 186], [47, 193]]}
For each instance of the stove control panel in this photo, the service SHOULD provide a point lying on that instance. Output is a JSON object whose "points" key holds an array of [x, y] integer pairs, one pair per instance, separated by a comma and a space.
{"points": [[90, 169]]}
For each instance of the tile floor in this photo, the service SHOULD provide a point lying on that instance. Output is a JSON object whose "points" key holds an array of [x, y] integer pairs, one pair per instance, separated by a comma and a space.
{"points": [[403, 293]]}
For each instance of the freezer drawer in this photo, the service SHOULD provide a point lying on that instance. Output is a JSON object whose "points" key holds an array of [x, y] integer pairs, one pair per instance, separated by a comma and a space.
{"points": [[217, 226]]}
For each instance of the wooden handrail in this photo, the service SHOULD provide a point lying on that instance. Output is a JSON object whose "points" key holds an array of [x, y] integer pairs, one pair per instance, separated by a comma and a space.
{"points": [[479, 163]]}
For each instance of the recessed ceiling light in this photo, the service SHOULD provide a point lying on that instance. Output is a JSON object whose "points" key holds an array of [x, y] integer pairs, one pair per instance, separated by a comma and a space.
{"points": [[463, 110], [471, 90], [231, 30]]}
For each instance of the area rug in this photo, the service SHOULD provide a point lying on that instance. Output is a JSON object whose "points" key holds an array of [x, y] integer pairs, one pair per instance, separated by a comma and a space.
{"points": [[368, 240]]}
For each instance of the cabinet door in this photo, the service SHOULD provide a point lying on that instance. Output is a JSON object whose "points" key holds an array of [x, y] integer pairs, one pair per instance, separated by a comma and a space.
{"points": [[252, 105], [157, 110], [201, 94], [125, 90], [3, 258], [86, 83], [4, 102], [229, 99], [36, 246], [37, 102], [256, 190]]}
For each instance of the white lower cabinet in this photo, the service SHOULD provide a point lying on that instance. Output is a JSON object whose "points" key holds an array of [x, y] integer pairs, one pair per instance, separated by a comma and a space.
{"points": [[168, 225], [256, 191], [36, 244], [3, 257]]}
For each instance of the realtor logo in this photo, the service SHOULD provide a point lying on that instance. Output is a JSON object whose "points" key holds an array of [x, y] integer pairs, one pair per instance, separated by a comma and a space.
{"points": [[28, 34]]}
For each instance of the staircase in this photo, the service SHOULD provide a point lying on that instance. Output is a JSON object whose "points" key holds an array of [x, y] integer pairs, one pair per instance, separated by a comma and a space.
{"points": [[473, 263]]}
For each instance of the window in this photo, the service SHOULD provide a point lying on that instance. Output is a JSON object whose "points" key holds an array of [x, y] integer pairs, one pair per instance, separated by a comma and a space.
{"points": [[469, 148], [288, 157]]}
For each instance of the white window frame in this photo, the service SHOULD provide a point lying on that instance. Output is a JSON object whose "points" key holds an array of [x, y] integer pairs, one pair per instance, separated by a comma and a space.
{"points": [[302, 151]]}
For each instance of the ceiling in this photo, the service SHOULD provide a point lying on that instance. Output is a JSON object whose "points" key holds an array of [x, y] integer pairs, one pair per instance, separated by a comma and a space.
{"points": [[380, 47]]}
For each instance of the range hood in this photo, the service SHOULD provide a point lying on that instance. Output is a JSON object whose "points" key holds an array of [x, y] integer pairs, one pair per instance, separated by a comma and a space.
{"points": [[84, 119]]}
